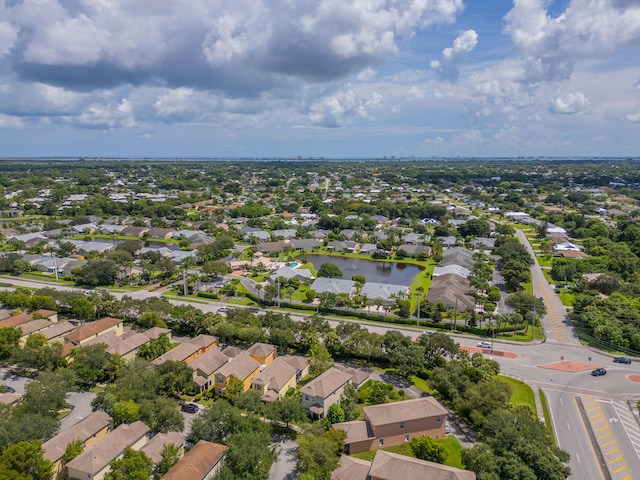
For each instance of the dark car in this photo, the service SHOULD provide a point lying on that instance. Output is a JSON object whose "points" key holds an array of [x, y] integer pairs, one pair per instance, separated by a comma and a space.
{"points": [[625, 360], [7, 389], [598, 372], [190, 408]]}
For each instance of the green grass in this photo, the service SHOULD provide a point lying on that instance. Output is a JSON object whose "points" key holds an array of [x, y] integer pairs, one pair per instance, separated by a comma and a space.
{"points": [[545, 261], [451, 444], [567, 297], [521, 393], [422, 385], [547, 416]]}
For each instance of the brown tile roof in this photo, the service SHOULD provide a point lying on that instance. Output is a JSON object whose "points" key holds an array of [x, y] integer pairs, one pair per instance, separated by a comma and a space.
{"points": [[356, 430], [55, 447], [155, 332], [57, 329], [276, 375], [403, 411], [261, 349], [154, 447], [209, 361], [34, 326], [93, 328], [16, 320], [197, 462], [351, 468], [391, 466], [296, 361], [109, 448], [129, 344], [110, 339], [327, 383], [241, 367]]}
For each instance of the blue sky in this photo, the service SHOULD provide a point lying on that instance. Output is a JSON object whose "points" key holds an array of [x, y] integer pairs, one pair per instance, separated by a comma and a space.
{"points": [[332, 78]]}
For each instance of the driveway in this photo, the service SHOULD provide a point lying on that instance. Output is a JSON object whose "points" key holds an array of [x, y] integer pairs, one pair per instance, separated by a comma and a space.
{"points": [[81, 403], [284, 468]]}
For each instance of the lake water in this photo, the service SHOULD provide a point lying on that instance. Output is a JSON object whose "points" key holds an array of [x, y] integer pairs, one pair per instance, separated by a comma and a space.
{"points": [[381, 272]]}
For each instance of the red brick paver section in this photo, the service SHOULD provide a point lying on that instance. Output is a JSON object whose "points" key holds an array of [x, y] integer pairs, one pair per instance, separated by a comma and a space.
{"points": [[572, 367], [634, 378], [488, 351]]}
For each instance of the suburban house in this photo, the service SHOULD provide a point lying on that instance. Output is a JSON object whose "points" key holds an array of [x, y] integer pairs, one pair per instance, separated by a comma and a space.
{"points": [[333, 285], [93, 463], [87, 331], [274, 381], [458, 256], [244, 367], [302, 274], [323, 391], [305, 244], [153, 448], [128, 345], [55, 332], [392, 466], [301, 364], [34, 326], [90, 430], [452, 290], [205, 366], [188, 351], [202, 462], [22, 318], [262, 353], [394, 423], [385, 291]]}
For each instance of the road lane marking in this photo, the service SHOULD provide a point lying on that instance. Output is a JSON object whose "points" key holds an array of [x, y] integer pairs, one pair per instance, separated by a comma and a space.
{"points": [[612, 442], [604, 435], [618, 470], [601, 428]]}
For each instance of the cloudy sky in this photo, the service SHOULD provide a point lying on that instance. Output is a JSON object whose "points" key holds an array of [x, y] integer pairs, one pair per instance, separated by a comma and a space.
{"points": [[332, 78]]}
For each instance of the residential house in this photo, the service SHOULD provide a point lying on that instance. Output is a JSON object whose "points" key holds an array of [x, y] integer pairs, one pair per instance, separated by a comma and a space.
{"points": [[34, 326], [451, 270], [244, 367], [22, 318], [155, 332], [368, 248], [134, 231], [205, 366], [90, 430], [452, 290], [340, 246], [307, 244], [128, 346], [188, 351], [448, 241], [414, 250], [485, 244], [89, 330], [29, 239], [93, 463], [458, 256], [262, 353], [163, 233], [393, 466], [202, 462], [394, 423], [285, 234], [323, 391], [333, 285], [56, 331], [385, 291], [272, 247], [301, 364], [153, 448], [302, 274], [274, 381]]}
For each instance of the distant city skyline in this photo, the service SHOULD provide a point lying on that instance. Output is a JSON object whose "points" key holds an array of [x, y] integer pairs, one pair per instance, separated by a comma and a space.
{"points": [[325, 78]]}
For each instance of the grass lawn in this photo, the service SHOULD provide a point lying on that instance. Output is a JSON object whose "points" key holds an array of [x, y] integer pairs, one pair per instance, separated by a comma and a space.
{"points": [[521, 393], [547, 416], [451, 444], [422, 385], [567, 297], [545, 261]]}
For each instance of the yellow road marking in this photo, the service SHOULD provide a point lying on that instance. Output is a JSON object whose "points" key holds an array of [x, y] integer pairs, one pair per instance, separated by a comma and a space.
{"points": [[614, 460], [619, 469], [599, 421], [612, 442], [604, 436], [601, 428]]}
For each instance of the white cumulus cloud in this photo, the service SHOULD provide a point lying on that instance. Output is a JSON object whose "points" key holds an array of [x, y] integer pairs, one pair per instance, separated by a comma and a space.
{"points": [[452, 57], [570, 104]]}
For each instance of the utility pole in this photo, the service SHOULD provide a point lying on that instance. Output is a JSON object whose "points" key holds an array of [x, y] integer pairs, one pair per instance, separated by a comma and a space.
{"points": [[186, 288], [278, 284], [55, 265]]}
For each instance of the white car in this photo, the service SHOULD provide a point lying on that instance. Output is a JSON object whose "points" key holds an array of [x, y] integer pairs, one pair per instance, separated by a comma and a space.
{"points": [[485, 345], [223, 309]]}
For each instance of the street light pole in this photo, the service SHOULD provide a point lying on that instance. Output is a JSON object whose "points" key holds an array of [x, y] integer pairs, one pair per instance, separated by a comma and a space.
{"points": [[418, 293], [278, 284]]}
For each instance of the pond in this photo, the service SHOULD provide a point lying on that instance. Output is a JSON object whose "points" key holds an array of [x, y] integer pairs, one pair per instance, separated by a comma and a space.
{"points": [[381, 272]]}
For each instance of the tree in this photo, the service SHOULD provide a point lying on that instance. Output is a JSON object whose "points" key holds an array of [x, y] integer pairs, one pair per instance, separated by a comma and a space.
{"points": [[249, 456], [27, 458], [320, 359], [288, 409], [319, 453], [169, 456], [74, 448], [329, 270], [335, 413], [97, 272], [349, 402], [134, 465], [89, 362], [233, 388], [437, 348], [46, 395], [426, 448], [82, 309], [161, 415]]}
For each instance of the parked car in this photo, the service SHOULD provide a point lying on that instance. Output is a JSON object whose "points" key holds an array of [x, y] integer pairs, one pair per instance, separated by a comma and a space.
{"points": [[485, 345], [254, 309], [7, 389], [223, 309], [598, 372], [190, 408], [447, 429], [625, 360]]}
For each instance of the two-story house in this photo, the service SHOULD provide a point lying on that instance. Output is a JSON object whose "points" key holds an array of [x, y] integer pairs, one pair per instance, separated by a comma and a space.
{"points": [[394, 423], [325, 390]]}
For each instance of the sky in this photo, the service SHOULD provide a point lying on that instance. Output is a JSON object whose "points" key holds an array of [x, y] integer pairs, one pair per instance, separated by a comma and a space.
{"points": [[319, 78]]}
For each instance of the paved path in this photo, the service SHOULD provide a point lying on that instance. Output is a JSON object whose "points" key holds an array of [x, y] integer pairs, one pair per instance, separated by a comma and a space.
{"points": [[284, 467]]}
